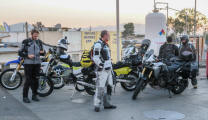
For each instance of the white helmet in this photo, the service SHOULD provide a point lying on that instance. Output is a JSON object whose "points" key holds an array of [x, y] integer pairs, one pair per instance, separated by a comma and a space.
{"points": [[63, 43]]}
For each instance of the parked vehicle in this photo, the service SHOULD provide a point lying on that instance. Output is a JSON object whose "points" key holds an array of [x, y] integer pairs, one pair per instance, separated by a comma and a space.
{"points": [[153, 75], [11, 79]]}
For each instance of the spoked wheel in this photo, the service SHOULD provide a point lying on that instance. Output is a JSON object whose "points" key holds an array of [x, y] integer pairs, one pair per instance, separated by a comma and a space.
{"points": [[90, 90], [79, 88], [131, 85], [10, 79], [45, 87], [140, 85], [58, 82], [180, 87]]}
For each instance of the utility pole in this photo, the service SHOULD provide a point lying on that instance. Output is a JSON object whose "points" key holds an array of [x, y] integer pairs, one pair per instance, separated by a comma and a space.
{"points": [[117, 30], [196, 38], [26, 30]]}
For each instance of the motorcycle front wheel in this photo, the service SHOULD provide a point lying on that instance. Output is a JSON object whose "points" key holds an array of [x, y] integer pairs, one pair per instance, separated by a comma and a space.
{"points": [[10, 79], [45, 87], [139, 86]]}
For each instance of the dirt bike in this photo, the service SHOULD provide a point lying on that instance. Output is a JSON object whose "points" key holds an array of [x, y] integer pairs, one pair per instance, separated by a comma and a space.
{"points": [[154, 75], [11, 79]]}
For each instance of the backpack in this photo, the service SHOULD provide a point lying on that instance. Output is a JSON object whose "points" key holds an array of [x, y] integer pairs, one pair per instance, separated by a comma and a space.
{"points": [[86, 60], [87, 55]]}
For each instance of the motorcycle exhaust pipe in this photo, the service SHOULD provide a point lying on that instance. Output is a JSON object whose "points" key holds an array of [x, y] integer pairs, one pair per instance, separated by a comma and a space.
{"points": [[86, 84], [123, 80]]}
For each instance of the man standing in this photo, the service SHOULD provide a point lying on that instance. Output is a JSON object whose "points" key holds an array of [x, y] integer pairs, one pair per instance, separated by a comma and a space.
{"points": [[102, 59], [31, 50], [186, 46], [168, 50]]}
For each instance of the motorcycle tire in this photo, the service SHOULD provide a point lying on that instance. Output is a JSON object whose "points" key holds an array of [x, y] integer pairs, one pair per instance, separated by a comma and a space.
{"points": [[5, 82], [59, 85], [90, 90], [79, 88], [178, 89], [130, 86], [42, 87], [138, 88]]}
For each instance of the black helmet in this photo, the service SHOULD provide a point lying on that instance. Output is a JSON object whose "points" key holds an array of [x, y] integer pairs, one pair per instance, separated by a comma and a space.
{"points": [[169, 39], [185, 37], [146, 42], [145, 45]]}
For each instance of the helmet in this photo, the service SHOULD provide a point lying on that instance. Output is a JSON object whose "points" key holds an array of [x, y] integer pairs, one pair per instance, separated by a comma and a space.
{"points": [[63, 43], [169, 39], [185, 37], [145, 44]]}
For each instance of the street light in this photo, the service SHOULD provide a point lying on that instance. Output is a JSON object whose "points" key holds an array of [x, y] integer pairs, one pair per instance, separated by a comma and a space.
{"points": [[117, 30]]}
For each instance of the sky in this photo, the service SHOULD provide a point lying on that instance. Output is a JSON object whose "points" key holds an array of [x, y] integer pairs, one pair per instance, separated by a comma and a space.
{"points": [[85, 13]]}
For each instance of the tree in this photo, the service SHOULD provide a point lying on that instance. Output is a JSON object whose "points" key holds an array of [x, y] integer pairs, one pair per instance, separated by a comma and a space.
{"points": [[128, 30], [186, 17]]}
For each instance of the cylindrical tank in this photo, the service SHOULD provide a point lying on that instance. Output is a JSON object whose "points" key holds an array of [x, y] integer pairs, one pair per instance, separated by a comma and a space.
{"points": [[155, 30]]}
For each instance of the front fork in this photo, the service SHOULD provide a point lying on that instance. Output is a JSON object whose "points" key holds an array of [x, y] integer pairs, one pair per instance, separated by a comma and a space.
{"points": [[15, 71]]}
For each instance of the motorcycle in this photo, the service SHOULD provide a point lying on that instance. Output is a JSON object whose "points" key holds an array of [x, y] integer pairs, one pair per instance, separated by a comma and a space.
{"points": [[11, 79], [153, 74]]}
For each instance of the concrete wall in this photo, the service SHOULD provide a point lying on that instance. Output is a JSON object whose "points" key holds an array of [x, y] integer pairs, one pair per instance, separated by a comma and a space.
{"points": [[51, 37], [74, 38], [15, 37]]}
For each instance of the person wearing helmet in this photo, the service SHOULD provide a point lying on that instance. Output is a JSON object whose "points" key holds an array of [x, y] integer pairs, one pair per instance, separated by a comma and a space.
{"points": [[186, 46], [144, 46], [168, 50], [104, 83]]}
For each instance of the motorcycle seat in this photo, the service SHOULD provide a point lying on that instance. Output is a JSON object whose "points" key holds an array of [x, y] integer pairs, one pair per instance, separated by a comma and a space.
{"points": [[120, 64], [76, 64]]}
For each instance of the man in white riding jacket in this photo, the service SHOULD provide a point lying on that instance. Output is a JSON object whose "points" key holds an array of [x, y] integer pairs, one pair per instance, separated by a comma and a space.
{"points": [[102, 59]]}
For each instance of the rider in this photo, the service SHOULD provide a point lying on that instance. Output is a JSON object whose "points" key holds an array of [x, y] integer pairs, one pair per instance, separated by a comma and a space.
{"points": [[102, 59], [186, 46], [168, 49]]}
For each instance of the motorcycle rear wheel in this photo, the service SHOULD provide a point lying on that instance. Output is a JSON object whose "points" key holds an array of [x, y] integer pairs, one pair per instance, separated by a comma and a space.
{"points": [[90, 90], [130, 86], [179, 88]]}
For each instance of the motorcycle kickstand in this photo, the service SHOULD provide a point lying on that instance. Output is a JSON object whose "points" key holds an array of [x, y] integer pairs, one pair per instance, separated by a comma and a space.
{"points": [[170, 95]]}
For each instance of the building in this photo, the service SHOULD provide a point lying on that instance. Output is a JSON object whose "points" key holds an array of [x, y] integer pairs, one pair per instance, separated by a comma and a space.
{"points": [[84, 40]]}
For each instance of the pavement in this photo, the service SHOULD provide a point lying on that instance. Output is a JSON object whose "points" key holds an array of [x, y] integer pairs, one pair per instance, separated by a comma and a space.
{"points": [[151, 104]]}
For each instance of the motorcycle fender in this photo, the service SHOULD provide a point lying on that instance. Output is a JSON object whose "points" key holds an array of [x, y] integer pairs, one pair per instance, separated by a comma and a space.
{"points": [[122, 71]]}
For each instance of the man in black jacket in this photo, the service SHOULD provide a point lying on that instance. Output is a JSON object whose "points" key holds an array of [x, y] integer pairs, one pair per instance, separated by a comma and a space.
{"points": [[168, 50], [186, 46], [31, 50]]}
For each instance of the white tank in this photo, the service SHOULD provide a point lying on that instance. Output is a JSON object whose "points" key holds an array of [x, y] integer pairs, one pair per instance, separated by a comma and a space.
{"points": [[155, 30]]}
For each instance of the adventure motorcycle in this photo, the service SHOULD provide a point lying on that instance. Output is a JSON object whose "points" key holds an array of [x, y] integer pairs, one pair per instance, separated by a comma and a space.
{"points": [[11, 78], [154, 75]]}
